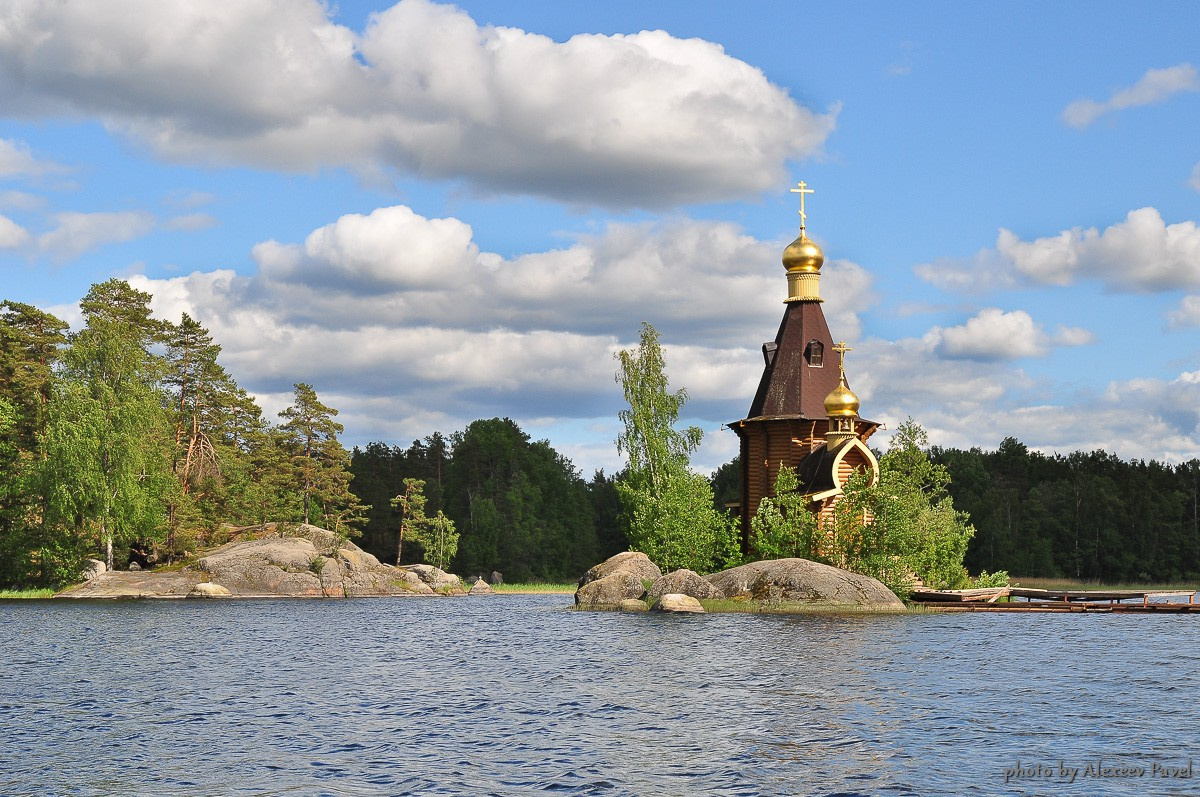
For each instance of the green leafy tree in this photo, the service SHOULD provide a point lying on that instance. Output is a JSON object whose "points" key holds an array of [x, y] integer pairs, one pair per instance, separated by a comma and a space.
{"points": [[727, 484], [668, 509], [378, 468], [906, 524], [441, 541], [106, 438], [29, 347], [192, 377], [268, 486], [783, 526], [214, 420], [606, 505]]}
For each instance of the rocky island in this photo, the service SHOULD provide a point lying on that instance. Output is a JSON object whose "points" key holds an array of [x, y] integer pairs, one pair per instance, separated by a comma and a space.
{"points": [[631, 582], [304, 561]]}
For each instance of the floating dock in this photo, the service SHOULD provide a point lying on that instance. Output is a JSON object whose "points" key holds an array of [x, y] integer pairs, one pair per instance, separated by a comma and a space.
{"points": [[1021, 599]]}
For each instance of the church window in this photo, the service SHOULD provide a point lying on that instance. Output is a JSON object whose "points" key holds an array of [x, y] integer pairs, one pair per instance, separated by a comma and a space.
{"points": [[814, 353]]}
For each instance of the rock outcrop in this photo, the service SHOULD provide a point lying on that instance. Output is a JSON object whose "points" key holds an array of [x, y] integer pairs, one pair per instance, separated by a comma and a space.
{"points": [[682, 582], [619, 578], [806, 582], [307, 562], [621, 581], [608, 592], [437, 580], [674, 602], [481, 587], [94, 568], [146, 584], [632, 562]]}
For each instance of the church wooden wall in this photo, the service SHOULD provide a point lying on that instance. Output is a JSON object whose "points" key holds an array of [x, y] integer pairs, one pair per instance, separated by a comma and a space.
{"points": [[766, 445]]}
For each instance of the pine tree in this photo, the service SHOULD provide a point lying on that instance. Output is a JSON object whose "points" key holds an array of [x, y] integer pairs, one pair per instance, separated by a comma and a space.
{"points": [[322, 465], [29, 347]]}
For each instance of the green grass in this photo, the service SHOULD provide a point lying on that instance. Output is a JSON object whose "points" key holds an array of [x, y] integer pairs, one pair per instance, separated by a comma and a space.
{"points": [[537, 587], [26, 593], [731, 606]]}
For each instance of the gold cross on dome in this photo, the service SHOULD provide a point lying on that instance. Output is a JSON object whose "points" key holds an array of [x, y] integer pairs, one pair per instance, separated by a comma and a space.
{"points": [[802, 189], [841, 348]]}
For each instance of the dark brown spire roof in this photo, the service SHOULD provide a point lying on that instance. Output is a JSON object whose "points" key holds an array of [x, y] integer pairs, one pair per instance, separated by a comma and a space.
{"points": [[793, 384]]}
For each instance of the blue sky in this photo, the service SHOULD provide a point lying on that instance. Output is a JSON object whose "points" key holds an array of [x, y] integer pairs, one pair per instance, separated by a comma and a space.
{"points": [[437, 213]]}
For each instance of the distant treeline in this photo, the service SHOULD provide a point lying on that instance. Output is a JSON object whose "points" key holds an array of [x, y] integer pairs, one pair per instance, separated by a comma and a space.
{"points": [[1083, 515], [521, 508], [128, 440]]}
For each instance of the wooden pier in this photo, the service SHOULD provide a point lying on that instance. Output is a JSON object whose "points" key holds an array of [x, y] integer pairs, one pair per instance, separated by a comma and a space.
{"points": [[1009, 599]]}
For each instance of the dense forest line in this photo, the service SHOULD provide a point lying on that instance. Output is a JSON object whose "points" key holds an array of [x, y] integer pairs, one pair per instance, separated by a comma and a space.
{"points": [[1082, 515], [520, 507], [128, 440]]}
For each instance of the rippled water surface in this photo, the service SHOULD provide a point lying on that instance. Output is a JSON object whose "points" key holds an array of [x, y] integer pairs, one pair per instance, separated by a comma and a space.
{"points": [[516, 695]]}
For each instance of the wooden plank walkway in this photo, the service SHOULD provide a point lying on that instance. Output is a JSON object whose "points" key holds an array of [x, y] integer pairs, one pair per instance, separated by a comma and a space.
{"points": [[1004, 599]]}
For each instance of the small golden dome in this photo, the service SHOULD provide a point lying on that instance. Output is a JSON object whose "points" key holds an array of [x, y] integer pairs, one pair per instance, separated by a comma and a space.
{"points": [[803, 255], [841, 402]]}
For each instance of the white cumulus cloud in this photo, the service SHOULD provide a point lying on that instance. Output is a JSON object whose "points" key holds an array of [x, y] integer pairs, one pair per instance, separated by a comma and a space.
{"points": [[16, 160], [403, 316], [1187, 314], [77, 233], [12, 235], [992, 334], [965, 403], [1156, 86], [1141, 254], [638, 119]]}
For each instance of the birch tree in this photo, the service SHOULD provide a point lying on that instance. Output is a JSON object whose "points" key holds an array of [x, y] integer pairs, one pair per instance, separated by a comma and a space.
{"points": [[667, 508], [105, 470]]}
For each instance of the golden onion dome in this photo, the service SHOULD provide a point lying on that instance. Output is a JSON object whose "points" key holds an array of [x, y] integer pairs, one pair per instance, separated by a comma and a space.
{"points": [[803, 255], [841, 402]]}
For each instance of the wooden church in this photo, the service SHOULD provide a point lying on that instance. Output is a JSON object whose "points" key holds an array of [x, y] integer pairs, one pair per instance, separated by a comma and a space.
{"points": [[804, 414]]}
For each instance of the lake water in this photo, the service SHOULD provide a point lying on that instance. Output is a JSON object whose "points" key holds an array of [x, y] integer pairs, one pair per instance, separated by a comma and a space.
{"points": [[515, 695]]}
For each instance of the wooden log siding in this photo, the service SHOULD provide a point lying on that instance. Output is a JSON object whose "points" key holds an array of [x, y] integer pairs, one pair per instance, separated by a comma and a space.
{"points": [[768, 445], [852, 462]]}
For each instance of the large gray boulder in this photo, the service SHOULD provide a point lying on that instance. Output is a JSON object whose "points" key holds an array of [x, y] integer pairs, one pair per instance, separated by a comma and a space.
{"points": [[610, 591], [682, 582], [806, 582], [677, 604], [438, 580], [207, 589], [632, 562]]}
